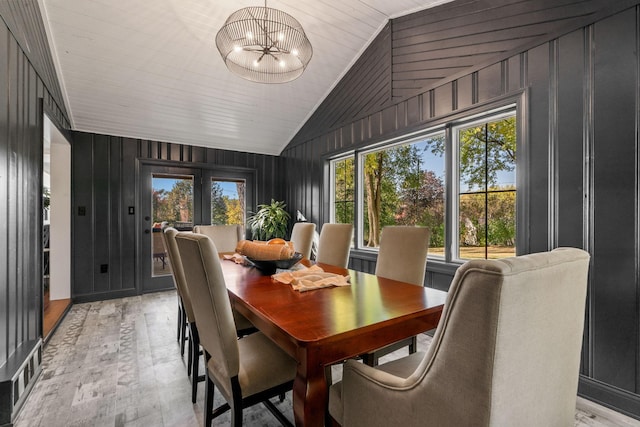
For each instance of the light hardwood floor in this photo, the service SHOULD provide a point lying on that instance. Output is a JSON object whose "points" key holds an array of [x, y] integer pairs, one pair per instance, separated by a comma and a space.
{"points": [[52, 315], [117, 363]]}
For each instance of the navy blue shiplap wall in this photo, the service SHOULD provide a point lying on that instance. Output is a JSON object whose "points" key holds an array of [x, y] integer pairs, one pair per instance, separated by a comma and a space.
{"points": [[582, 186]]}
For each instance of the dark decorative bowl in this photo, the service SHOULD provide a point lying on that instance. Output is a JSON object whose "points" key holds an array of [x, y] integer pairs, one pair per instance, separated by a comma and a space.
{"points": [[269, 267]]}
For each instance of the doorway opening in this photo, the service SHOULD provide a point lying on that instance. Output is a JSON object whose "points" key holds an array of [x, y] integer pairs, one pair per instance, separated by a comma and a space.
{"points": [[56, 228]]}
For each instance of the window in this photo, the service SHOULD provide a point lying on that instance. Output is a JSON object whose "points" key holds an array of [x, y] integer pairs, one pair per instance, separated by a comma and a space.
{"points": [[228, 202], [404, 185], [486, 195], [343, 191], [405, 182], [171, 205], [172, 200]]}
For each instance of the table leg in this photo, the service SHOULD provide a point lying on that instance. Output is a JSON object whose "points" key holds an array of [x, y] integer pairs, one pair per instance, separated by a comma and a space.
{"points": [[310, 393]]}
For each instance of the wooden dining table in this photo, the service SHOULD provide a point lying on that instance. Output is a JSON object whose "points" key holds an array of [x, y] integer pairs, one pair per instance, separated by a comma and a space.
{"points": [[326, 326]]}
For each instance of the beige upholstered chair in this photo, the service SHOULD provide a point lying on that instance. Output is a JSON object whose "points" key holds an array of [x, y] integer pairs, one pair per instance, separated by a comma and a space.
{"points": [[246, 371], [225, 237], [402, 256], [335, 244], [506, 352], [186, 317], [185, 313], [243, 326], [302, 237]]}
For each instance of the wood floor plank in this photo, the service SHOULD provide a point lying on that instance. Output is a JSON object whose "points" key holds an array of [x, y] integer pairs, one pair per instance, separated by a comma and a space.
{"points": [[117, 363], [53, 314]]}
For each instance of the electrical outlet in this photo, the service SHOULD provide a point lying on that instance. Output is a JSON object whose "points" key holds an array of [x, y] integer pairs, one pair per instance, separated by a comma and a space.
{"points": [[104, 268]]}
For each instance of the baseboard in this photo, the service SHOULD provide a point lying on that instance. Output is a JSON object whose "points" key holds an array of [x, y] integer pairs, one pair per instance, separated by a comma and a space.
{"points": [[619, 400], [102, 296]]}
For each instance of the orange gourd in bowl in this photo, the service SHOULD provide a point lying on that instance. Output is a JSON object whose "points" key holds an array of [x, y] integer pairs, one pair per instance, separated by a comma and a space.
{"points": [[277, 241]]}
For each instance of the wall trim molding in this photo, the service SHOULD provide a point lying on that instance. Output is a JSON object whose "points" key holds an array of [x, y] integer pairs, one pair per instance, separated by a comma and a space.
{"points": [[611, 397], [102, 296]]}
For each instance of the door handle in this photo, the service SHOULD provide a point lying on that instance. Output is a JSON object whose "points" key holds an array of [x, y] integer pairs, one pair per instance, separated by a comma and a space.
{"points": [[147, 231]]}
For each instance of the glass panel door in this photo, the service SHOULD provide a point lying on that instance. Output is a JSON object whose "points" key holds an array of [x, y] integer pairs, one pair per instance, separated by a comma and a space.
{"points": [[169, 197], [171, 206]]}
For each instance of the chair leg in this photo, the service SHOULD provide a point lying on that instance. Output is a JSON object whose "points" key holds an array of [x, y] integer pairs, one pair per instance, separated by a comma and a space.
{"points": [[328, 375], [236, 414], [413, 347], [208, 398], [195, 361], [370, 359], [189, 354], [183, 332], [179, 320]]}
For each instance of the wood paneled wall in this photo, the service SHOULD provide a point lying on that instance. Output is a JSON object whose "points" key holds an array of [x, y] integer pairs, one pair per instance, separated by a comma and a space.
{"points": [[23, 96], [24, 21], [582, 184], [104, 182]]}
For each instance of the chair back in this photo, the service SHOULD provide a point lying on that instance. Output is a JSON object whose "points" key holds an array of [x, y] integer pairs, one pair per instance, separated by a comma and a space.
{"points": [[334, 245], [169, 236], [302, 237], [225, 237], [402, 255], [507, 348], [211, 304]]}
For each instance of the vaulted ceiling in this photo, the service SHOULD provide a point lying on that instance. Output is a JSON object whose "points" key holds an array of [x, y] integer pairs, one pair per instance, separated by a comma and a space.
{"points": [[150, 69]]}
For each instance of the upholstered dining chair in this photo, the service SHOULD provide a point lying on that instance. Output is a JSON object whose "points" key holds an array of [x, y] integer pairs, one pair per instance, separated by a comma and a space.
{"points": [[246, 371], [225, 237], [505, 353], [334, 244], [402, 256], [243, 325], [302, 237], [185, 313]]}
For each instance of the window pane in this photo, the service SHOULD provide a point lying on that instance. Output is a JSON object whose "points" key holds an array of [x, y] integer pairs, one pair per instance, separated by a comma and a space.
{"points": [[227, 202], [487, 192], [343, 191], [172, 205], [404, 185]]}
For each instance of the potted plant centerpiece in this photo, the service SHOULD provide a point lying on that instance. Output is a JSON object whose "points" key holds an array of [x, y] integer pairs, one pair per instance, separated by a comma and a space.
{"points": [[270, 221]]}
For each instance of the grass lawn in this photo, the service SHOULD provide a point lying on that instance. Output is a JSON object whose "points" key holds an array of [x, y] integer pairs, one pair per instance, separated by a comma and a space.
{"points": [[473, 252]]}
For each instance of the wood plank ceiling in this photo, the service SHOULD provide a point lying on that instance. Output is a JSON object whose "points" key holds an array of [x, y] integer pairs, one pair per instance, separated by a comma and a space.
{"points": [[150, 69]]}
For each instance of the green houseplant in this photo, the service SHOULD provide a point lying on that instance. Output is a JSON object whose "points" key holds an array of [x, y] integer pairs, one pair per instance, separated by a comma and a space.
{"points": [[270, 221]]}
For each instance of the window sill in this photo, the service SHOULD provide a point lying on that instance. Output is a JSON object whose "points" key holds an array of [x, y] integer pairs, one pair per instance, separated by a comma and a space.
{"points": [[436, 265]]}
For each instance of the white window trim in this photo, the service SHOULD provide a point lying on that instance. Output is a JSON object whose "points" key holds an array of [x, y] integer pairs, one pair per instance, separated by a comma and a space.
{"points": [[450, 129], [454, 206], [332, 182]]}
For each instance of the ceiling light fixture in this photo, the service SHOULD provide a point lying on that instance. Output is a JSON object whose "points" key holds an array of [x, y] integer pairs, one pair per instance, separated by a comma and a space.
{"points": [[264, 45]]}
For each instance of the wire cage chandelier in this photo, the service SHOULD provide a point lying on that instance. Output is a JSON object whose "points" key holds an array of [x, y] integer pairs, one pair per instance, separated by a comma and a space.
{"points": [[264, 45]]}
